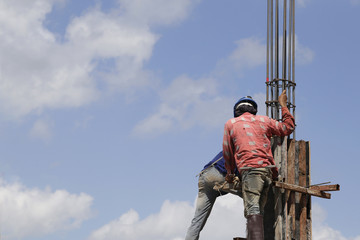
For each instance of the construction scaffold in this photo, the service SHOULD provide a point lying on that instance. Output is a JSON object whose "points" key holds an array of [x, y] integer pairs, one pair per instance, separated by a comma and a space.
{"points": [[288, 209]]}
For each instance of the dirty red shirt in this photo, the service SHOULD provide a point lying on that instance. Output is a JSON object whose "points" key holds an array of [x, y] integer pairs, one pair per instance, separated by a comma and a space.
{"points": [[247, 140]]}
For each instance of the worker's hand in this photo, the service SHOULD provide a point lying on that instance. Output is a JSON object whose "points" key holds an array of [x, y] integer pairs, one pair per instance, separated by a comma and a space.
{"points": [[283, 99], [230, 177], [275, 174]]}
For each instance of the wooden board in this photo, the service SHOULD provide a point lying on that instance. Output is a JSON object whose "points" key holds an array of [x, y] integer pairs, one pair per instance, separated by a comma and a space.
{"points": [[291, 199], [288, 210]]}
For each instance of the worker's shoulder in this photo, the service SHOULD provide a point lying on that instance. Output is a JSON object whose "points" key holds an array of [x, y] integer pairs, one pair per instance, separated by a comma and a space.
{"points": [[262, 118], [232, 120], [247, 118]]}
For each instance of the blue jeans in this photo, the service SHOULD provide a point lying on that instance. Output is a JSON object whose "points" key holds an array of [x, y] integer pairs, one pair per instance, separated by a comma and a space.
{"points": [[205, 201], [255, 186]]}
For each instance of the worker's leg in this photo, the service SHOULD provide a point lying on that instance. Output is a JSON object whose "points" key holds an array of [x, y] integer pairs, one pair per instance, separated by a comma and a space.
{"points": [[267, 177], [205, 201], [252, 187], [256, 183]]}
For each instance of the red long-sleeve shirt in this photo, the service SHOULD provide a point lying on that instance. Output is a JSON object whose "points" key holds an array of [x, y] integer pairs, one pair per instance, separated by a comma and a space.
{"points": [[247, 140]]}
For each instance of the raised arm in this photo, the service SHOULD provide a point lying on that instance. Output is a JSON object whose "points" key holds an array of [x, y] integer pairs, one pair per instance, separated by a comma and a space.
{"points": [[286, 127]]}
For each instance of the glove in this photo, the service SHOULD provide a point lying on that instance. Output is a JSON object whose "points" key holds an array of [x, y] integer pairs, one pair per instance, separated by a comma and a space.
{"points": [[230, 177], [275, 174]]}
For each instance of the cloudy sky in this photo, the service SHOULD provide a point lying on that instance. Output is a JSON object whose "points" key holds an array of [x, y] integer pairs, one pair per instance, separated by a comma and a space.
{"points": [[109, 109]]}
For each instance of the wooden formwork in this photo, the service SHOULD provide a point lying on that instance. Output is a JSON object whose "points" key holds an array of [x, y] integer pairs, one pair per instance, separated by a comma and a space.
{"points": [[288, 210], [287, 214]]}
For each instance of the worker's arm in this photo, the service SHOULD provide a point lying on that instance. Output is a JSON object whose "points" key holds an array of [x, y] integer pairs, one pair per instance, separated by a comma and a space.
{"points": [[286, 127], [228, 153]]}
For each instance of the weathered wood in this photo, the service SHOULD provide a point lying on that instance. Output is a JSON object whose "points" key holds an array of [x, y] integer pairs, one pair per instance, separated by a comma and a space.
{"points": [[289, 209], [333, 187], [303, 183], [308, 175], [297, 194], [291, 199], [285, 195], [304, 190], [269, 216], [279, 216], [303, 217]]}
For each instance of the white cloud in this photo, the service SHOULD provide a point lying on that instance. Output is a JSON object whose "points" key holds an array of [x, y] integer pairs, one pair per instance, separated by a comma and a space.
{"points": [[225, 222], [187, 102], [303, 3], [26, 212], [184, 104], [303, 54], [41, 130], [37, 72], [40, 72], [159, 12], [321, 230], [168, 224], [249, 53], [260, 99]]}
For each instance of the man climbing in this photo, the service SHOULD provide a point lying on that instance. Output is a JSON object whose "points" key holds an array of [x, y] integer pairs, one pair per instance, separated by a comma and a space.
{"points": [[213, 172], [247, 147]]}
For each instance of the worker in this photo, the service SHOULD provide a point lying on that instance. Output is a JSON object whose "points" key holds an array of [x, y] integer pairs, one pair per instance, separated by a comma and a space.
{"points": [[213, 172], [247, 147]]}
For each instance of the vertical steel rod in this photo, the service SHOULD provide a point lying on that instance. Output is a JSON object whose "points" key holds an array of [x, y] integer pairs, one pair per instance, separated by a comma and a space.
{"points": [[293, 59], [277, 54], [267, 56], [272, 55], [284, 46], [277, 58], [289, 77]]}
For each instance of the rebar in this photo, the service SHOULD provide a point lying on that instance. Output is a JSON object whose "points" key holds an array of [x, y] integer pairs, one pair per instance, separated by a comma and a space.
{"points": [[273, 60], [284, 46], [293, 58], [267, 54]]}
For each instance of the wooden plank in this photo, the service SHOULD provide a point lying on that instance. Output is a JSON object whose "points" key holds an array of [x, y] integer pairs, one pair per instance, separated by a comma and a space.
{"points": [[284, 158], [285, 195], [269, 216], [278, 225], [303, 182], [303, 190], [291, 199], [308, 174], [302, 164], [291, 163], [297, 195], [303, 217], [333, 187]]}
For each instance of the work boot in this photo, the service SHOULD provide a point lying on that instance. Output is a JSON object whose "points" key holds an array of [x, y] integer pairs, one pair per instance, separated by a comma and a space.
{"points": [[255, 227]]}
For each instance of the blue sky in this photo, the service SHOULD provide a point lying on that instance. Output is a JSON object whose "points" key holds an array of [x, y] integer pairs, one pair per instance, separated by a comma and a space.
{"points": [[109, 108]]}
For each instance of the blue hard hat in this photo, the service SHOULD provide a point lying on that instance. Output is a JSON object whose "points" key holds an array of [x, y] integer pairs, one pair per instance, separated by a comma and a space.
{"points": [[247, 99]]}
